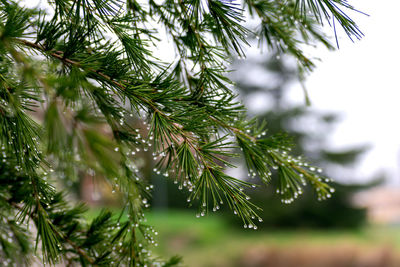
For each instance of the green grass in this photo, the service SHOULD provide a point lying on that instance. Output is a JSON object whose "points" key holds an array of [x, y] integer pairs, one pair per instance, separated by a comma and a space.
{"points": [[211, 241]]}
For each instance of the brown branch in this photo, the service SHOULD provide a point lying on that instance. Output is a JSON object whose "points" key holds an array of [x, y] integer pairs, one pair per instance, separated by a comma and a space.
{"points": [[233, 129], [59, 55], [80, 251]]}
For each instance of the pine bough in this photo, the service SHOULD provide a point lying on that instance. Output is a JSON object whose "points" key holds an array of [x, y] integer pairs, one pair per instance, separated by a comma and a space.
{"points": [[77, 75]]}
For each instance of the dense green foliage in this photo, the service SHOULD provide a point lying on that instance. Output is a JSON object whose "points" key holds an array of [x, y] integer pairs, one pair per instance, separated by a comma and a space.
{"points": [[72, 76]]}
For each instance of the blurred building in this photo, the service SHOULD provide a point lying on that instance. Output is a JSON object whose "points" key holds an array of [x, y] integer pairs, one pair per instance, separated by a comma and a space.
{"points": [[382, 203]]}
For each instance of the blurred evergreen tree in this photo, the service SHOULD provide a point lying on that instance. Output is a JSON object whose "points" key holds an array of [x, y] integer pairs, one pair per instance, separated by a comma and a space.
{"points": [[309, 130]]}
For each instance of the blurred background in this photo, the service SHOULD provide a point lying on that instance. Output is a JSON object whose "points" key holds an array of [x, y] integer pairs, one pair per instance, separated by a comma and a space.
{"points": [[351, 130]]}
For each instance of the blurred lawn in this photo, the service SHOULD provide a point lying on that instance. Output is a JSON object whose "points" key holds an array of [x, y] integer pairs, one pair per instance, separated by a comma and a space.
{"points": [[210, 241]]}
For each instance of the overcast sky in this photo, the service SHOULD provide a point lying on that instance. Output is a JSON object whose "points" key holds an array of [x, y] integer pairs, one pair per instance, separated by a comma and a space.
{"points": [[361, 82]]}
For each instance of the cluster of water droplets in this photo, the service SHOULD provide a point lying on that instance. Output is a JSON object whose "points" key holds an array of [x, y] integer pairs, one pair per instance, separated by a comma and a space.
{"points": [[300, 172]]}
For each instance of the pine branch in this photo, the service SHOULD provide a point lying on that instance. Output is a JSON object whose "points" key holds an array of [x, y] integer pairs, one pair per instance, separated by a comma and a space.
{"points": [[99, 73], [255, 159]]}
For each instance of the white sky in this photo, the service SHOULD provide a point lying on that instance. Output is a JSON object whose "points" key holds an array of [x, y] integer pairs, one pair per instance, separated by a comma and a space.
{"points": [[361, 82]]}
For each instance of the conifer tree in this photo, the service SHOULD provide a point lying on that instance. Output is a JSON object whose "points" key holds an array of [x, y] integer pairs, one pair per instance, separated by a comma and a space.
{"points": [[74, 73]]}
